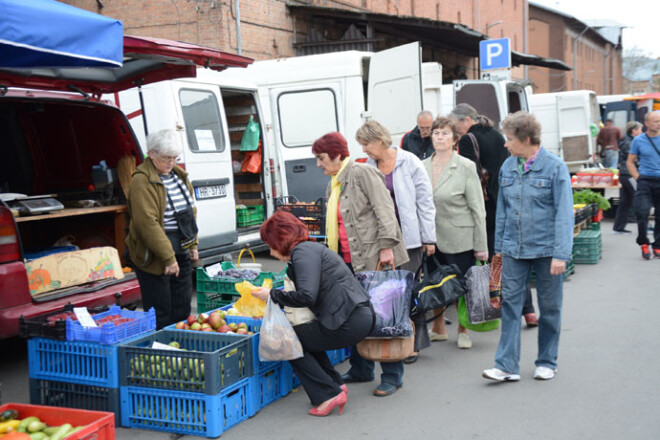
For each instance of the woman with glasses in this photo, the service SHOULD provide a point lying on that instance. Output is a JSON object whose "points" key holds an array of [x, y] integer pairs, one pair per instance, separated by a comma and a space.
{"points": [[162, 237]]}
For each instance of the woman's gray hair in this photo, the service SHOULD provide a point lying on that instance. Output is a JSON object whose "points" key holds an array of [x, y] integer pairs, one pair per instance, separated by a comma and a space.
{"points": [[462, 111], [373, 131], [164, 143], [522, 125], [631, 125]]}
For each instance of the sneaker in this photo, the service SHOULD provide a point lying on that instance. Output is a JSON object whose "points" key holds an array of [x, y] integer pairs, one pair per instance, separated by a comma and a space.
{"points": [[656, 253], [544, 373], [646, 253], [464, 341], [433, 336], [499, 375]]}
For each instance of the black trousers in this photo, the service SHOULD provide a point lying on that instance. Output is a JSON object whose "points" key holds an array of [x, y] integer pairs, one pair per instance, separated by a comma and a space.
{"points": [[626, 196], [170, 296], [318, 377], [647, 195]]}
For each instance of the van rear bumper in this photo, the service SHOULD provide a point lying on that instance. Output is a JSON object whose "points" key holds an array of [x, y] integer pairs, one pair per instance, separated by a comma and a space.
{"points": [[129, 290]]}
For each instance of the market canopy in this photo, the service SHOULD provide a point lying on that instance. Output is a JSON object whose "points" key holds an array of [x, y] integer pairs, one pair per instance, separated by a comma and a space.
{"points": [[47, 33]]}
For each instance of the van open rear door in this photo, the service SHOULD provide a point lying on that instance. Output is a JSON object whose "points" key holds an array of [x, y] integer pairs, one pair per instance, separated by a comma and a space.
{"points": [[575, 140], [395, 89], [620, 112]]}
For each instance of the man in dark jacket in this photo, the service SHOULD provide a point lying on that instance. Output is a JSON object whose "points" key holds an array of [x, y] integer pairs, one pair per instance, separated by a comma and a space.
{"points": [[418, 141]]}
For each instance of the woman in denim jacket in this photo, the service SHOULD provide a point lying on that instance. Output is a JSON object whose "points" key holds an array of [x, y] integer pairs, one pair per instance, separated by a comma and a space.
{"points": [[534, 230]]}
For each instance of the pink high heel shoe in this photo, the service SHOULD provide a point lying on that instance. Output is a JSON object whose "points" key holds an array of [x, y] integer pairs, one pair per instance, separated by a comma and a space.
{"points": [[339, 400]]}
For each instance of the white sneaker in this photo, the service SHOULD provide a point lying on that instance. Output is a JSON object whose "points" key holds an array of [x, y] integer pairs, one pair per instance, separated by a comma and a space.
{"points": [[544, 373], [499, 375]]}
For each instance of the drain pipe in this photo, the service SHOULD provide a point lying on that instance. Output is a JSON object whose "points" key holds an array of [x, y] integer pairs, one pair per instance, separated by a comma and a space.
{"points": [[238, 26]]}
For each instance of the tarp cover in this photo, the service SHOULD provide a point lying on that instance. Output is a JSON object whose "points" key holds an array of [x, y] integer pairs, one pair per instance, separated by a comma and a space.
{"points": [[47, 33]]}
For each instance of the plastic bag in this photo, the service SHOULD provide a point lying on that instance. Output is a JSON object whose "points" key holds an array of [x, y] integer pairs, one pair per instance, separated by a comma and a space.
{"points": [[248, 305], [477, 297], [252, 162], [389, 293], [250, 140], [277, 339], [463, 319]]}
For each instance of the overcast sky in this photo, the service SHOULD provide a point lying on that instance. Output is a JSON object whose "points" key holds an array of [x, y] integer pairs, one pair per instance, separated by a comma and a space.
{"points": [[640, 16]]}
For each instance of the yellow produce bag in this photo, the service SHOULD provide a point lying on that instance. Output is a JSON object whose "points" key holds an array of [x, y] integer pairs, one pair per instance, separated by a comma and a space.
{"points": [[248, 305]]}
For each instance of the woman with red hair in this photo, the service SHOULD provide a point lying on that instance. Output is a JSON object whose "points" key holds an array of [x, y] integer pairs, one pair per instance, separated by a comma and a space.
{"points": [[325, 285]]}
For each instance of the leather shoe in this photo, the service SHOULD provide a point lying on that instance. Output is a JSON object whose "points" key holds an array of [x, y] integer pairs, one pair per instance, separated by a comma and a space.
{"points": [[349, 378], [410, 359], [385, 389]]}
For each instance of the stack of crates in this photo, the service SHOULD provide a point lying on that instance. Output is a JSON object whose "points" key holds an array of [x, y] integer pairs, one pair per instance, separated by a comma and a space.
{"points": [[213, 293], [83, 371], [312, 214], [202, 389], [587, 247]]}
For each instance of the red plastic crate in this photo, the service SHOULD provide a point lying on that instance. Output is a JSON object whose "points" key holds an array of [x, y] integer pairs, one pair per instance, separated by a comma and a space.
{"points": [[99, 425], [598, 217]]}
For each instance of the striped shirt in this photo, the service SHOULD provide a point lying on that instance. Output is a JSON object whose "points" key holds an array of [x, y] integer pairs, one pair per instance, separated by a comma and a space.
{"points": [[176, 200]]}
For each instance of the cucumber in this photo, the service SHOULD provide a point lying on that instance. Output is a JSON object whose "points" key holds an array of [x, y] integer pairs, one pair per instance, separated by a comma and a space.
{"points": [[62, 432], [22, 427], [74, 430], [51, 430], [35, 426], [38, 436]]}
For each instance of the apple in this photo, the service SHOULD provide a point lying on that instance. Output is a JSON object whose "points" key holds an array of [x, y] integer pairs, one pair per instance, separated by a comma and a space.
{"points": [[242, 331], [186, 326], [215, 320], [202, 318], [233, 312], [180, 325], [195, 326], [174, 344], [242, 325], [191, 319], [224, 328], [208, 329], [222, 313], [233, 326]]}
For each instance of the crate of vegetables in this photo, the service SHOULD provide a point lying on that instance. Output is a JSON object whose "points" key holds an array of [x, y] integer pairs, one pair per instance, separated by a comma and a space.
{"points": [[72, 424], [301, 209], [50, 325], [113, 326], [225, 280]]}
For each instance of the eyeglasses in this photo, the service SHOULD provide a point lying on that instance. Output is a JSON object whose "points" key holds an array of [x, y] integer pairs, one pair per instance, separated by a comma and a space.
{"points": [[168, 158]]}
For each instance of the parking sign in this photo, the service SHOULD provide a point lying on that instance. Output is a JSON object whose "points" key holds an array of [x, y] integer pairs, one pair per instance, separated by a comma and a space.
{"points": [[495, 54]]}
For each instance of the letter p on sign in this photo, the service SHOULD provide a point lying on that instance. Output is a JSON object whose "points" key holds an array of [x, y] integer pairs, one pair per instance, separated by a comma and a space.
{"points": [[495, 54]]}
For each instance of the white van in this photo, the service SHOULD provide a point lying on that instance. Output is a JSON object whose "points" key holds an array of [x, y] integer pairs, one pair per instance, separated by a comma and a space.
{"points": [[306, 97], [492, 98], [567, 119]]}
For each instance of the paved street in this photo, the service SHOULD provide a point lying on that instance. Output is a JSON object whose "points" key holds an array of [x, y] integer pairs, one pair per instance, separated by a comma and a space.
{"points": [[607, 386]]}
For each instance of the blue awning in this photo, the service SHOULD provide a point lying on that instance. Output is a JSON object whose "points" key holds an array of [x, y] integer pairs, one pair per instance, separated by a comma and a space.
{"points": [[47, 33]]}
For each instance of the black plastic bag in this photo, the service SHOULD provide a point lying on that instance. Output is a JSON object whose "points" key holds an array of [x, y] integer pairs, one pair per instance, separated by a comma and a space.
{"points": [[435, 290]]}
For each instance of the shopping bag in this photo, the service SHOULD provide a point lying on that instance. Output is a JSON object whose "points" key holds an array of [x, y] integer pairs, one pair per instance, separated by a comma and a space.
{"points": [[495, 284], [464, 320], [248, 305], [435, 290], [477, 296], [386, 349], [250, 139], [252, 162], [389, 293], [296, 315], [277, 339]]}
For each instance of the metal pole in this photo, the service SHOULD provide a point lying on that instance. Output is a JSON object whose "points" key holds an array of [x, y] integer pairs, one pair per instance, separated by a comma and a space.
{"points": [[144, 111], [238, 26], [575, 66]]}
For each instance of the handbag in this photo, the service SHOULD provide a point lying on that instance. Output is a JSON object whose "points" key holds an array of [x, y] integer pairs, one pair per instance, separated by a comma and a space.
{"points": [[296, 315], [481, 171], [435, 290], [387, 349], [464, 320], [477, 296]]}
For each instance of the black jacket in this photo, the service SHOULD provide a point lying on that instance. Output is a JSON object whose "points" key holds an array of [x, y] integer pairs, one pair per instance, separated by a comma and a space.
{"points": [[624, 150], [416, 144], [324, 284], [491, 152]]}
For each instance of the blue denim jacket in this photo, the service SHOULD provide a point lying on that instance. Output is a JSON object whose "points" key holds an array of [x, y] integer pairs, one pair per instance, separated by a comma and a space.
{"points": [[535, 209]]}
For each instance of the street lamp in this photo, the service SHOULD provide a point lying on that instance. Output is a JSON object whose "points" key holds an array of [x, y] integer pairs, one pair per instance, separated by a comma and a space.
{"points": [[490, 25]]}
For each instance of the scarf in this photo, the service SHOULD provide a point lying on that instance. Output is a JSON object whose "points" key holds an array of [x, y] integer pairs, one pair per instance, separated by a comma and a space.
{"points": [[332, 218]]}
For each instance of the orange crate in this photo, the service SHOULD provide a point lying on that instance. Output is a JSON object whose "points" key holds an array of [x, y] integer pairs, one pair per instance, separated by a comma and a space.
{"points": [[99, 425]]}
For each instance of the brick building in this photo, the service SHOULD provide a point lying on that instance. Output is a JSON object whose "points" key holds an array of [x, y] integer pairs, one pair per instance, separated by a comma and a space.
{"points": [[593, 49], [264, 29]]}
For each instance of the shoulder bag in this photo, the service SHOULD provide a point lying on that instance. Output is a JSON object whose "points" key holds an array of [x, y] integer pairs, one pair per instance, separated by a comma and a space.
{"points": [[481, 171]]}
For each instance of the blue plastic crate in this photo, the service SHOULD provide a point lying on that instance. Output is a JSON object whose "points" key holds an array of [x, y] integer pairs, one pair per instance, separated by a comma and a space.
{"points": [[211, 362], [74, 395], [290, 379], [185, 413], [266, 387], [86, 363], [109, 333]]}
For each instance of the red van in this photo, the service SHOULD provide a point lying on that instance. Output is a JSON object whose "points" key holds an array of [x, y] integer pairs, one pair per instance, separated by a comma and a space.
{"points": [[55, 131]]}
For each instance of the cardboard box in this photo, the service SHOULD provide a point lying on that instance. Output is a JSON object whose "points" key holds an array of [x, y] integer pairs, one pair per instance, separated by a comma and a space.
{"points": [[74, 268]]}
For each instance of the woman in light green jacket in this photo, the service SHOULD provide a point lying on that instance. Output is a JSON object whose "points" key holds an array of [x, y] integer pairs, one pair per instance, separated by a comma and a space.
{"points": [[460, 216]]}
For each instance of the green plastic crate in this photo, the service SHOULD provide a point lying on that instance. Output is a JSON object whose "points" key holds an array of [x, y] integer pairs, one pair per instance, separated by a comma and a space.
{"points": [[207, 302], [249, 216], [227, 285], [587, 247], [595, 226]]}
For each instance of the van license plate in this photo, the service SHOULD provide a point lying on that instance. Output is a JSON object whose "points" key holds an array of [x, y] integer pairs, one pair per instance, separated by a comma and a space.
{"points": [[210, 192]]}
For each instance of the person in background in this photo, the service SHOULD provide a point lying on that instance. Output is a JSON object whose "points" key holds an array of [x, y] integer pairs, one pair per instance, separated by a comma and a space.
{"points": [[418, 140], [460, 216], [534, 230], [410, 189], [162, 234], [646, 149], [328, 288], [628, 185], [607, 140], [477, 131], [361, 226]]}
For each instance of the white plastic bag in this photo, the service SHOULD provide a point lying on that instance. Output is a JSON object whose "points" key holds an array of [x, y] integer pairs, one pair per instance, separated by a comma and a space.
{"points": [[277, 339]]}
